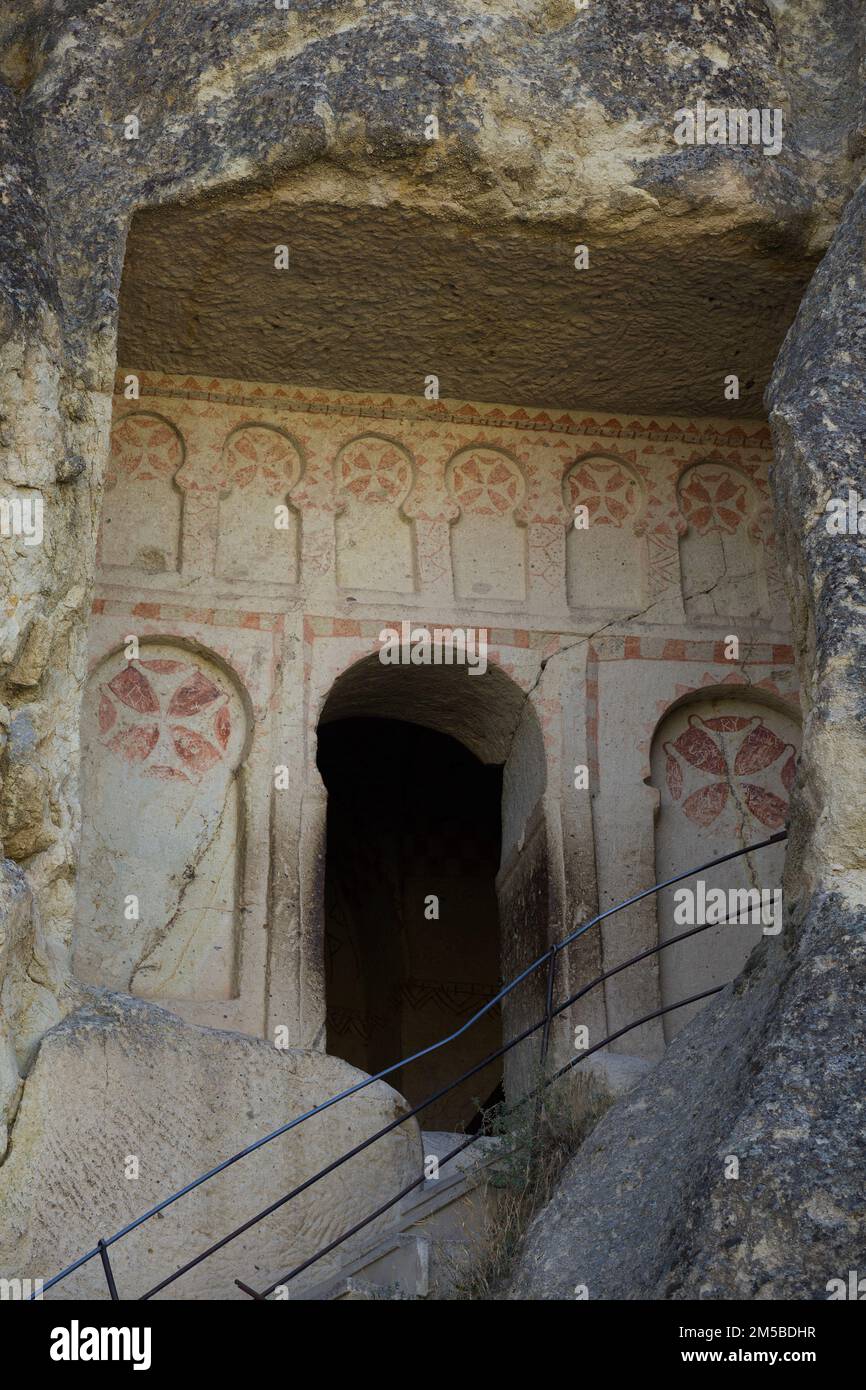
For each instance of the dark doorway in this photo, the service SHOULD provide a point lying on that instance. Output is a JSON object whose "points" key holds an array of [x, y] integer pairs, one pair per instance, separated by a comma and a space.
{"points": [[412, 816]]}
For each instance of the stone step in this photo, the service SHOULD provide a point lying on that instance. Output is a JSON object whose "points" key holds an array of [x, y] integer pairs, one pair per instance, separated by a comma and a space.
{"points": [[397, 1267], [444, 1214]]}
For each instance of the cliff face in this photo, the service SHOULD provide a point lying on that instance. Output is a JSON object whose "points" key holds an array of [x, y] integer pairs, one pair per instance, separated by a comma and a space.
{"points": [[771, 1074], [554, 128]]}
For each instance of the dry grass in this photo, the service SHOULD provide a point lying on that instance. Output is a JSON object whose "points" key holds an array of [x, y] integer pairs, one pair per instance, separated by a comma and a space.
{"points": [[539, 1137]]}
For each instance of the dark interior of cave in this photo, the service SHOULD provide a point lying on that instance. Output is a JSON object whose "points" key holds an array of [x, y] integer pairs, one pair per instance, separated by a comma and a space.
{"points": [[413, 830]]}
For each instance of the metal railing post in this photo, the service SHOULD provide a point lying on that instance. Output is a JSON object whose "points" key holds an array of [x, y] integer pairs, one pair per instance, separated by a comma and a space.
{"points": [[538, 1107], [545, 1024], [109, 1273], [548, 1013]]}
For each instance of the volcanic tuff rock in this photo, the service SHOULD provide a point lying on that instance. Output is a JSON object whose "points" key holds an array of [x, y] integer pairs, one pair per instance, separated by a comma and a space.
{"points": [[771, 1073], [556, 127], [121, 1080]]}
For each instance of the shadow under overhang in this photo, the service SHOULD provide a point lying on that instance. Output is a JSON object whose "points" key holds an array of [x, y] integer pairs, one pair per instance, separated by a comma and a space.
{"points": [[380, 299]]}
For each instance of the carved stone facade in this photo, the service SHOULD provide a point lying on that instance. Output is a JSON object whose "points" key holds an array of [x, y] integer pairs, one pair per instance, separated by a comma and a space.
{"points": [[255, 541], [206, 880]]}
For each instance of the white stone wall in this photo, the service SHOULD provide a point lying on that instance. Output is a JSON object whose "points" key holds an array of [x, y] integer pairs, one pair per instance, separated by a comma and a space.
{"points": [[437, 512]]}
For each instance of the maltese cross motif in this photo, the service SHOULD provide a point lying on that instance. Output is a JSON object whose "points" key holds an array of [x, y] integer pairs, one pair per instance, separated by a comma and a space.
{"points": [[716, 501], [167, 717], [730, 757], [607, 492], [487, 486], [145, 446], [374, 473], [261, 453]]}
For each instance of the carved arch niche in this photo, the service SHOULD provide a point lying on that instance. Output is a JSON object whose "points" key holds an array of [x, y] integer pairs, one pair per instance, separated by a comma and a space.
{"points": [[488, 540], [375, 540], [163, 739], [724, 766], [261, 465], [142, 511], [720, 552], [606, 560]]}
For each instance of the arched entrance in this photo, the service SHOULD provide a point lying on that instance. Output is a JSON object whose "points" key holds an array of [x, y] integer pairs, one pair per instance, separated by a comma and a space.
{"points": [[435, 886]]}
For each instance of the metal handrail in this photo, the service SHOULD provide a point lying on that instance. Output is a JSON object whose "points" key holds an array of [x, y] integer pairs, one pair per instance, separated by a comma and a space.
{"points": [[549, 956], [544, 1022], [359, 1226]]}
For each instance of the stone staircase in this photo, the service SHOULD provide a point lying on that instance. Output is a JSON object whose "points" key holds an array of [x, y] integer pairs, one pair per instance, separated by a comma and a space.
{"points": [[438, 1230]]}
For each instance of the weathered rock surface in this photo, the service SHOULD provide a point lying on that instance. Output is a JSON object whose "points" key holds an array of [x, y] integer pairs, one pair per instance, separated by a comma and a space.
{"points": [[769, 1076], [555, 127], [772, 1074], [550, 120], [30, 981], [120, 1078]]}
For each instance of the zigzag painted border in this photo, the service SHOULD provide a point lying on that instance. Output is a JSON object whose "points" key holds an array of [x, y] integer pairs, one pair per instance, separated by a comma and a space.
{"points": [[751, 434]]}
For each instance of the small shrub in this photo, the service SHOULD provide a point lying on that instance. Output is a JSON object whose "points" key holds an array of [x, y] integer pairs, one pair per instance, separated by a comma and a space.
{"points": [[539, 1135]]}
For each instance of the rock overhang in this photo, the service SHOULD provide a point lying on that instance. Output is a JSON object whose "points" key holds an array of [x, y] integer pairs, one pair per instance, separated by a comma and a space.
{"points": [[553, 123], [379, 298]]}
